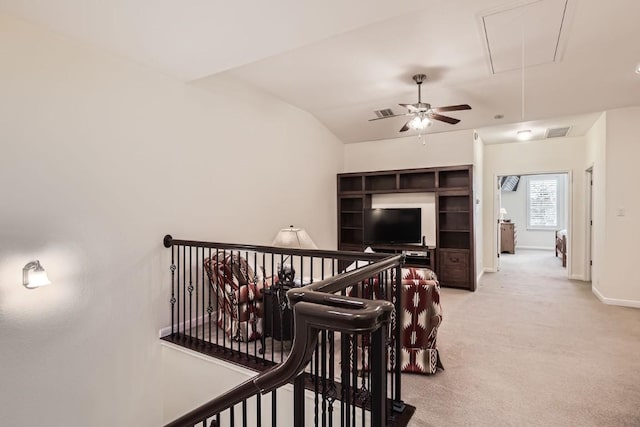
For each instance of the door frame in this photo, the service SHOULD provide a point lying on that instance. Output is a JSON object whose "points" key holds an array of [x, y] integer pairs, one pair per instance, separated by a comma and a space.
{"points": [[495, 231], [588, 238]]}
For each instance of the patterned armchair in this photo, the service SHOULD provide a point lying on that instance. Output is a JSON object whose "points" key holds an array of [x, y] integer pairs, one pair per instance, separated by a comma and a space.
{"points": [[239, 295], [420, 317]]}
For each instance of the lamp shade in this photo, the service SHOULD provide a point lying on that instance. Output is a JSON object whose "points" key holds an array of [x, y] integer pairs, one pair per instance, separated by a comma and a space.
{"points": [[503, 211], [295, 238]]}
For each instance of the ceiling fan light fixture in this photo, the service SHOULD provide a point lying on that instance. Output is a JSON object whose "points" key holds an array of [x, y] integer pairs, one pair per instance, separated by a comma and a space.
{"points": [[524, 135], [419, 123]]}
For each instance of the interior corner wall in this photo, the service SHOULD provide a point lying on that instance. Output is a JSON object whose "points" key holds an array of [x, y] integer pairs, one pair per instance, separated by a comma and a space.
{"points": [[100, 158], [478, 178], [440, 149], [619, 283], [596, 159], [532, 157]]}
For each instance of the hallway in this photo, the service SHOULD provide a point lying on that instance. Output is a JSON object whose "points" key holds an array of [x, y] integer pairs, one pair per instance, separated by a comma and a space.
{"points": [[531, 348]]}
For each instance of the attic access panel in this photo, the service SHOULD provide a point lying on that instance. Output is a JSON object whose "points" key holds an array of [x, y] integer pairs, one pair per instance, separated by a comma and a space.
{"points": [[537, 25]]}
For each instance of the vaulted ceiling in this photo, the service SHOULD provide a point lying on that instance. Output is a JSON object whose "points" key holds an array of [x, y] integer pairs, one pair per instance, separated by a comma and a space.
{"points": [[341, 61]]}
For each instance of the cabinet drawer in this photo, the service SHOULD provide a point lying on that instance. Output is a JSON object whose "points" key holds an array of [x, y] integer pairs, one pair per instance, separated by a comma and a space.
{"points": [[454, 267]]}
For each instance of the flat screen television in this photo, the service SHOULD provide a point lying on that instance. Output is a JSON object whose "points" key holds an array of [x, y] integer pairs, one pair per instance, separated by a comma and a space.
{"points": [[392, 225]]}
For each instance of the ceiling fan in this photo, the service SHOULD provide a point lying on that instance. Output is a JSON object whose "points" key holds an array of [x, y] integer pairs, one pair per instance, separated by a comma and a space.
{"points": [[422, 113]]}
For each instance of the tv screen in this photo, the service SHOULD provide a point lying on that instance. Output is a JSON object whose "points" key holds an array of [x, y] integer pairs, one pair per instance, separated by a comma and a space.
{"points": [[392, 225]]}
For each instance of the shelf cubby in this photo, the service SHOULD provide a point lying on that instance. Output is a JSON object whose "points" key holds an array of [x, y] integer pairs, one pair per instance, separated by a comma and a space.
{"points": [[350, 183], [380, 182], [417, 180], [454, 179]]}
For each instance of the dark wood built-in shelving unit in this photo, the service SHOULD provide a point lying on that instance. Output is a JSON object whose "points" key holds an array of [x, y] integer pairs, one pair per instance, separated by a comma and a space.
{"points": [[453, 258]]}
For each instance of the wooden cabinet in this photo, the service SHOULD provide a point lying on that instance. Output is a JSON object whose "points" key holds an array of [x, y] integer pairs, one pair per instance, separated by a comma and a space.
{"points": [[508, 237], [453, 258], [454, 267]]}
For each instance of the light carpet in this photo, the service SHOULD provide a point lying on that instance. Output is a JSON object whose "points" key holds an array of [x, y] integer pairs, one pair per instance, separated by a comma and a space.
{"points": [[531, 348]]}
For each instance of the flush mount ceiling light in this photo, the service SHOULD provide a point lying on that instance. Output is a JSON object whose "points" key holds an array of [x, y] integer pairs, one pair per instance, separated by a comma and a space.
{"points": [[524, 135], [34, 275], [638, 69]]}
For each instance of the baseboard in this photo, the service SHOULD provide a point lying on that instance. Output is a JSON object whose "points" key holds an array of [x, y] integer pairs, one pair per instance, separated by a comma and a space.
{"points": [[578, 277], [199, 321], [480, 276], [489, 270], [614, 301], [535, 248]]}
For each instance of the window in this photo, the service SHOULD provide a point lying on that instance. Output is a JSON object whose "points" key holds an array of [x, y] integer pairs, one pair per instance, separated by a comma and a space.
{"points": [[545, 202]]}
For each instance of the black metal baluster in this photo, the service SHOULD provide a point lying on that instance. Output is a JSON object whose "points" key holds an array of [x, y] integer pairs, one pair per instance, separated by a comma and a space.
{"points": [[345, 378], [274, 408], [272, 317], [232, 416], [224, 300], [397, 326], [263, 341], [212, 285], [184, 290], [379, 378], [198, 294], [332, 392], [244, 413], [280, 311], [190, 291], [173, 290], [249, 303], [316, 385], [298, 399], [354, 376], [363, 385], [257, 313], [259, 410], [323, 375]]}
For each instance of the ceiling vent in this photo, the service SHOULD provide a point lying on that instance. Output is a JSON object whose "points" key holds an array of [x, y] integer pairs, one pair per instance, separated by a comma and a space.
{"points": [[384, 113], [557, 132]]}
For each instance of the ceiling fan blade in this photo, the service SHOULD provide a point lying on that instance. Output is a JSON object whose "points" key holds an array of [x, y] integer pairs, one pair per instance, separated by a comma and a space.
{"points": [[388, 117], [405, 127], [452, 108], [445, 119], [410, 107]]}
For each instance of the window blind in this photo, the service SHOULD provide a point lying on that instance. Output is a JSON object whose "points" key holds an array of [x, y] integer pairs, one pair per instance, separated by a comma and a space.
{"points": [[543, 202]]}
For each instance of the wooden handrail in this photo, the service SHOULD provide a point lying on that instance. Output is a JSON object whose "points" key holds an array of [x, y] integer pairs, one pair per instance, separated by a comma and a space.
{"points": [[310, 305], [316, 253]]}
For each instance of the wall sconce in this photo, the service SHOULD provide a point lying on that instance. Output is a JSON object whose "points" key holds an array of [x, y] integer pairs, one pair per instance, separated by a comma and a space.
{"points": [[34, 276]]}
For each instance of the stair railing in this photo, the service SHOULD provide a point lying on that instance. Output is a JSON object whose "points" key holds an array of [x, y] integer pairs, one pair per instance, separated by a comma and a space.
{"points": [[317, 308]]}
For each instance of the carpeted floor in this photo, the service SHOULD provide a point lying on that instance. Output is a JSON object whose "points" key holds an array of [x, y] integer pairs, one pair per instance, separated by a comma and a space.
{"points": [[531, 348]]}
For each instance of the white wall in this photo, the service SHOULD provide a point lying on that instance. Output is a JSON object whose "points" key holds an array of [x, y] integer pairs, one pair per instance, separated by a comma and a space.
{"points": [[515, 202], [441, 149], [99, 158], [619, 280], [531, 157]]}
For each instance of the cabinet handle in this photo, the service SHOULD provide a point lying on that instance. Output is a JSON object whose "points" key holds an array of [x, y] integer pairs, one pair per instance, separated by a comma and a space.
{"points": [[454, 259]]}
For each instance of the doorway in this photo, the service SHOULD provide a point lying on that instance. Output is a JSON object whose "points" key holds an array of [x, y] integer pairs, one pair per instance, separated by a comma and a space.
{"points": [[532, 213]]}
